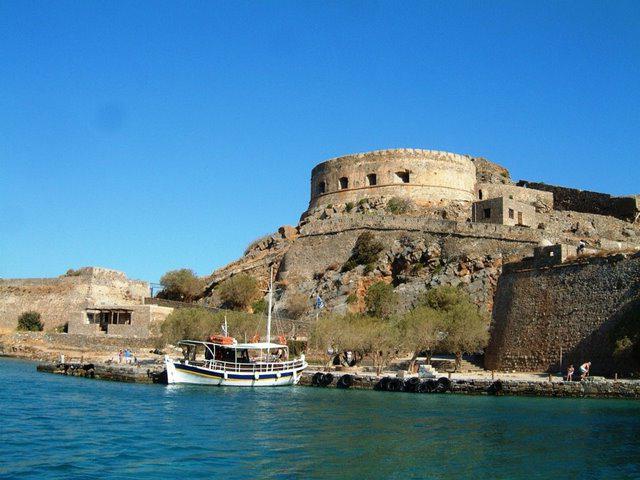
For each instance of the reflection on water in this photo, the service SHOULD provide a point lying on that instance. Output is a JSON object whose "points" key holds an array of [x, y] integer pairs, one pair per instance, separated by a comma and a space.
{"points": [[64, 427]]}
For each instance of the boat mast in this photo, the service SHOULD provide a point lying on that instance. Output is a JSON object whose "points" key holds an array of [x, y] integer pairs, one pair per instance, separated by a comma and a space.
{"points": [[270, 303]]}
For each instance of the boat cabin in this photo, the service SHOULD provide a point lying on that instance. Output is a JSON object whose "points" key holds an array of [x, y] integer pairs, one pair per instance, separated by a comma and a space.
{"points": [[225, 351]]}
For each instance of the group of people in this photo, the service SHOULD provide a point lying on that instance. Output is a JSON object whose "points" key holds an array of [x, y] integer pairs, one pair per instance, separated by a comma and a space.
{"points": [[584, 371], [128, 356]]}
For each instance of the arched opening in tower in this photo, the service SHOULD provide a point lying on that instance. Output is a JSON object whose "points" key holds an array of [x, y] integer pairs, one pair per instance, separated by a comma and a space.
{"points": [[402, 177], [344, 183], [372, 179]]}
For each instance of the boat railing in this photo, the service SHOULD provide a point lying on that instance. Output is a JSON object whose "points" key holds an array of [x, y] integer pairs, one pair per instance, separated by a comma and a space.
{"points": [[253, 367]]}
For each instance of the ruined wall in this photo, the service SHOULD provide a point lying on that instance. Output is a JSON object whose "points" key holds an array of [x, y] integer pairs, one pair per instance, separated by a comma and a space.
{"points": [[59, 299], [574, 306], [431, 176], [624, 208], [538, 198]]}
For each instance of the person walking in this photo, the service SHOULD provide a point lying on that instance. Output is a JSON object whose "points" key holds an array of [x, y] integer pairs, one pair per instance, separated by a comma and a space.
{"points": [[570, 371], [584, 370], [120, 356]]}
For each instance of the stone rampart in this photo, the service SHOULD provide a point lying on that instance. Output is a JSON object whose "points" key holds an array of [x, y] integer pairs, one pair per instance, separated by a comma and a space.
{"points": [[61, 299], [348, 222], [424, 176], [573, 309], [624, 208]]}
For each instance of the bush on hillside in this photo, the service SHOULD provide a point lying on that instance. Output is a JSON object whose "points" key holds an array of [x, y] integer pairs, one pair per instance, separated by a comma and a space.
{"points": [[239, 292], [364, 252], [30, 322], [399, 206], [381, 300]]}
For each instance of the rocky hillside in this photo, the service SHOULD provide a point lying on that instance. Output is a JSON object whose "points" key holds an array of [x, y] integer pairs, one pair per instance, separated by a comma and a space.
{"points": [[425, 247]]}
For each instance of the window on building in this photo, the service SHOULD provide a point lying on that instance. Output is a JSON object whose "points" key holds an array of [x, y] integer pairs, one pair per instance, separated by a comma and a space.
{"points": [[372, 179], [487, 213], [344, 183], [512, 214], [480, 195], [322, 187], [402, 177], [520, 218]]}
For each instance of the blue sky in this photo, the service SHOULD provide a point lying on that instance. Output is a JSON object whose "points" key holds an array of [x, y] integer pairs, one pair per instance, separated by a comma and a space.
{"points": [[148, 136]]}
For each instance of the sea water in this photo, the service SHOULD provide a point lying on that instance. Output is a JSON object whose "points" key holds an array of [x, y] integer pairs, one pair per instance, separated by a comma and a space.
{"points": [[56, 427]]}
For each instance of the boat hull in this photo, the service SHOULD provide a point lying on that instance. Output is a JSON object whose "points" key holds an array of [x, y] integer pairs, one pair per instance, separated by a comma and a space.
{"points": [[192, 374]]}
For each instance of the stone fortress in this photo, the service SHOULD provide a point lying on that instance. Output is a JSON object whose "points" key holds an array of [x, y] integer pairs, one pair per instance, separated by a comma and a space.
{"points": [[424, 176], [443, 219], [465, 221]]}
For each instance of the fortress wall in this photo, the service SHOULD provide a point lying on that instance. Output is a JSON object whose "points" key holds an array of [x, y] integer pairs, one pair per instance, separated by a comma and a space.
{"points": [[60, 299], [420, 224], [571, 306], [428, 176], [624, 208], [530, 196]]}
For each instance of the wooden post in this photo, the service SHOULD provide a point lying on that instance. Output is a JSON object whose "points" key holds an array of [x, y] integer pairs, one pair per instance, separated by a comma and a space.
{"points": [[449, 375], [493, 374], [550, 378], [615, 377]]}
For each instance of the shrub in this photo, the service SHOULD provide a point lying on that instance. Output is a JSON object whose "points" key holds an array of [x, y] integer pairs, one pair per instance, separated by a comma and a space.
{"points": [[182, 285], [260, 306], [352, 298], [30, 322], [623, 347], [73, 273], [381, 300], [398, 206], [349, 206], [364, 252], [239, 291]]}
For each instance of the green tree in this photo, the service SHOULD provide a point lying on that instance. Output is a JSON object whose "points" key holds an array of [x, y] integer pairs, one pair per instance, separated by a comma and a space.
{"points": [[239, 292], [381, 300], [30, 321], [182, 285], [361, 334], [364, 252], [463, 328], [419, 330], [198, 323]]}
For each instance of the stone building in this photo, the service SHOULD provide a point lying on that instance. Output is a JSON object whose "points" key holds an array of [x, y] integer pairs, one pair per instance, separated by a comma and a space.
{"points": [[424, 176], [90, 300], [504, 211]]}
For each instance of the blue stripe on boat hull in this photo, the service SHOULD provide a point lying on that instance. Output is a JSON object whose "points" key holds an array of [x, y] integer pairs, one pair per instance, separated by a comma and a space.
{"points": [[209, 373]]}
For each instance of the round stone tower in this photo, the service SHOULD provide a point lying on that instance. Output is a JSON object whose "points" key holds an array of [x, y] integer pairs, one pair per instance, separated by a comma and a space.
{"points": [[424, 176]]}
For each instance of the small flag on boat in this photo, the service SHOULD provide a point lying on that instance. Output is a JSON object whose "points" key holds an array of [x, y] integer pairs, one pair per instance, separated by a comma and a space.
{"points": [[319, 302]]}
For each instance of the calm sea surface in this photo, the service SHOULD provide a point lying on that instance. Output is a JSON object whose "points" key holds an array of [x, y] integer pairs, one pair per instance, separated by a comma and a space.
{"points": [[55, 427]]}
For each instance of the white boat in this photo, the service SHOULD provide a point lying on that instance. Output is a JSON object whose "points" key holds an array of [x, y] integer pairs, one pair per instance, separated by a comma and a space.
{"points": [[239, 364], [223, 361]]}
